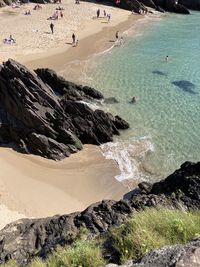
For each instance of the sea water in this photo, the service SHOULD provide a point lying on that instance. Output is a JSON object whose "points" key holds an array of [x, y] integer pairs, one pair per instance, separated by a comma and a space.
{"points": [[164, 122]]}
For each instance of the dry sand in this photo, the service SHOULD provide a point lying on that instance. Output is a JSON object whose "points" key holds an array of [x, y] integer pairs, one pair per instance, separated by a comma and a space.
{"points": [[32, 186], [38, 187], [32, 33]]}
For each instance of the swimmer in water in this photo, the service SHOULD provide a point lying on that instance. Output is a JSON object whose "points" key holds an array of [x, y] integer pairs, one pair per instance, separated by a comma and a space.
{"points": [[166, 58], [133, 100]]}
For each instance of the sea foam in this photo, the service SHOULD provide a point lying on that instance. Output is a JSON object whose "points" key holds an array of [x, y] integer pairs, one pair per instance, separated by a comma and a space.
{"points": [[129, 155]]}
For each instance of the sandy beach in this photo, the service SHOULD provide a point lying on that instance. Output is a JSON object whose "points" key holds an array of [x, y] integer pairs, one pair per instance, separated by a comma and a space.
{"points": [[33, 35], [38, 187], [31, 186]]}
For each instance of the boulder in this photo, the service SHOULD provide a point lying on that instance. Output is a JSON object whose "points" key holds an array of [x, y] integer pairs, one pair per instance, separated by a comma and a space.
{"points": [[111, 100], [187, 255], [46, 115]]}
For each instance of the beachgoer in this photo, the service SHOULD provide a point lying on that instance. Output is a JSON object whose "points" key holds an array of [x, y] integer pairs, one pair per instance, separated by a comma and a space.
{"points": [[98, 13], [117, 35], [73, 39], [121, 41], [166, 58], [109, 17], [61, 14], [52, 27], [133, 100], [104, 13], [76, 44], [12, 39]]}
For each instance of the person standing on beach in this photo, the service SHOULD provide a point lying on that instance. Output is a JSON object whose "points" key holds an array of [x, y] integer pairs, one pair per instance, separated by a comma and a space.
{"points": [[52, 27], [98, 13], [104, 13], [108, 16], [73, 39], [117, 35]]}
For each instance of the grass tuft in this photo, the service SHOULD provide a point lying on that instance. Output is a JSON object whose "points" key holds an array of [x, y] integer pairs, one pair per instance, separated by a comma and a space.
{"points": [[154, 228]]}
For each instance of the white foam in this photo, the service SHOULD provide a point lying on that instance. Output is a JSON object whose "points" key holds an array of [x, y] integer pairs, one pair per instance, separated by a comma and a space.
{"points": [[129, 156], [91, 105]]}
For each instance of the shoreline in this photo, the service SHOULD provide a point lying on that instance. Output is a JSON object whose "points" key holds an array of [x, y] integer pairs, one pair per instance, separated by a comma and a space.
{"points": [[101, 41]]}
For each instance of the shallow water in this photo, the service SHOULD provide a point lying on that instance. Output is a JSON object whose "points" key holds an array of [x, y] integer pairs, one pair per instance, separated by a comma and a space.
{"points": [[165, 128]]}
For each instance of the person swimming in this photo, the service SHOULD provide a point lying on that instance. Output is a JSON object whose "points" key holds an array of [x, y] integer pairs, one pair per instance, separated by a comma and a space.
{"points": [[133, 100], [166, 58]]}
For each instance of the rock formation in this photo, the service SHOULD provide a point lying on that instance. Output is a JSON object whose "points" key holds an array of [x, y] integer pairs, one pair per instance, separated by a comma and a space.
{"points": [[177, 256], [159, 5], [191, 4], [27, 238], [46, 115]]}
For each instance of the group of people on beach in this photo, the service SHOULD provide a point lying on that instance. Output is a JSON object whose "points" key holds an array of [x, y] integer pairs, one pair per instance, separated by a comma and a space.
{"points": [[142, 10], [105, 15], [55, 15], [9, 40], [27, 12]]}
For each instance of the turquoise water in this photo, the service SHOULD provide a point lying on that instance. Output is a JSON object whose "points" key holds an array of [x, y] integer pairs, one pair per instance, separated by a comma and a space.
{"points": [[165, 128]]}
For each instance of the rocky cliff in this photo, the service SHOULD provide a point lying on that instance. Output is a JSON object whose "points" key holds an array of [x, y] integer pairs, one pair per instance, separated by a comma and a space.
{"points": [[191, 4], [28, 238], [43, 114]]}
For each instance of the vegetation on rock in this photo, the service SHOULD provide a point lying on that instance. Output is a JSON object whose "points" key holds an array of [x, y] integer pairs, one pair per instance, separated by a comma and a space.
{"points": [[146, 230]]}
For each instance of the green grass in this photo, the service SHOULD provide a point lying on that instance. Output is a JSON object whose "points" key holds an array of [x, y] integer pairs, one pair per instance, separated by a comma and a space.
{"points": [[85, 253], [154, 228], [146, 230]]}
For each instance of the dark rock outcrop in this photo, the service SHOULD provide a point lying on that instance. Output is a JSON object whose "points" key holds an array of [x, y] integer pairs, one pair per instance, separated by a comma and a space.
{"points": [[28, 238], [177, 256], [160, 5], [191, 4], [46, 115]]}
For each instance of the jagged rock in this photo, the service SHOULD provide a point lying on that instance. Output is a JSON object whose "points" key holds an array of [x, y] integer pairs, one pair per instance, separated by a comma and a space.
{"points": [[191, 4], [149, 3], [171, 5], [61, 86], [160, 9], [134, 5], [28, 238], [181, 9], [42, 114], [177, 256]]}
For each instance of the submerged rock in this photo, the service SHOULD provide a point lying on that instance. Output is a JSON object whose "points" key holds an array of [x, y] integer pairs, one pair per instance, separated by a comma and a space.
{"points": [[46, 115], [27, 238], [111, 100]]}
